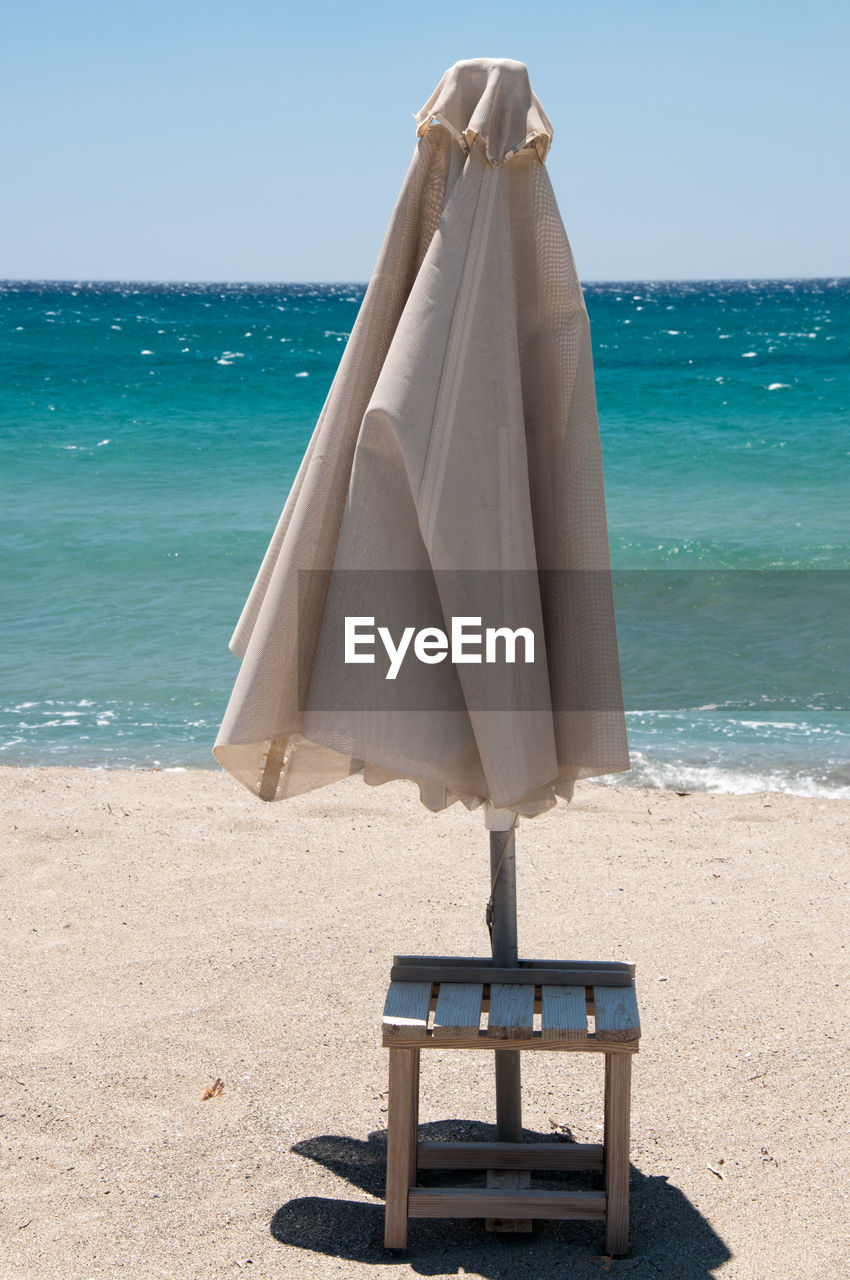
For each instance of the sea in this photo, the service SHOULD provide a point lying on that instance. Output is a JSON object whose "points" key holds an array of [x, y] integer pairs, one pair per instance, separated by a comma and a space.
{"points": [[150, 434]]}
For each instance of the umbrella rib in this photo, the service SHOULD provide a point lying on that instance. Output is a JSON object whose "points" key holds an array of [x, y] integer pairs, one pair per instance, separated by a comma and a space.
{"points": [[488, 913]]}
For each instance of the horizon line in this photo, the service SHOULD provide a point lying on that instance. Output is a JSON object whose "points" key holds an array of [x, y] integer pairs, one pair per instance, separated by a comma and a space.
{"points": [[80, 280]]}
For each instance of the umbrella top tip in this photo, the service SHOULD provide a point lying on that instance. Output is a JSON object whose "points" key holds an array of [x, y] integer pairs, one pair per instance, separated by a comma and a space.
{"points": [[490, 99], [510, 65]]}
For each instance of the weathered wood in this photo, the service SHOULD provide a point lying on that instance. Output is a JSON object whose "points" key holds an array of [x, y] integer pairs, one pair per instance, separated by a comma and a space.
{"points": [[458, 1011], [508, 1181], [616, 1013], [508, 1202], [563, 1013], [413, 1160], [456, 1202], [400, 1112], [406, 1010], [510, 1155], [511, 1014], [272, 768], [480, 1040], [564, 976], [625, 968], [618, 1076]]}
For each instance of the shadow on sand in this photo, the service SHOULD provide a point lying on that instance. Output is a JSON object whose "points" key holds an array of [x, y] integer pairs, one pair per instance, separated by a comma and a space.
{"points": [[668, 1236]]}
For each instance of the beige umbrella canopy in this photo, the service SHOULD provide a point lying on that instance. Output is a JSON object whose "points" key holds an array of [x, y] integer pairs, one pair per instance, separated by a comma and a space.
{"points": [[454, 472]]}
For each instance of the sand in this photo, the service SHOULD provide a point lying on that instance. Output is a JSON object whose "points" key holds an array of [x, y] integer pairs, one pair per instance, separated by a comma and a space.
{"points": [[164, 930]]}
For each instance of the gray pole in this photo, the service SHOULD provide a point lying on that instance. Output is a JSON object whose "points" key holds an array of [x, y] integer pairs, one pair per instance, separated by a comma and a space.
{"points": [[505, 956]]}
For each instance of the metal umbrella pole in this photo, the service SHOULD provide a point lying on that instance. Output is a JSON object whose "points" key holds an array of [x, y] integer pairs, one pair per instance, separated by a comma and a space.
{"points": [[501, 918]]}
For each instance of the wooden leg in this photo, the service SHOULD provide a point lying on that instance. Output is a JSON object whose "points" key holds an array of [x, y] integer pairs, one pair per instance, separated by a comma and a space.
{"points": [[414, 1121], [401, 1111], [618, 1079]]}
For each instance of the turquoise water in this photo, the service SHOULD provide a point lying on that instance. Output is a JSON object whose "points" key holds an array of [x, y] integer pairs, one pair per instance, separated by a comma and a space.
{"points": [[150, 434]]}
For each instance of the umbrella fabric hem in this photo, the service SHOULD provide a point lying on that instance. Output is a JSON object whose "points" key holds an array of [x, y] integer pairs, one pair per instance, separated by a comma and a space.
{"points": [[302, 765]]}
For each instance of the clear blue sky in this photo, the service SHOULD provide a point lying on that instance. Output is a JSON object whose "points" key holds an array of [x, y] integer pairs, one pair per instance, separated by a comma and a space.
{"points": [[198, 140]]}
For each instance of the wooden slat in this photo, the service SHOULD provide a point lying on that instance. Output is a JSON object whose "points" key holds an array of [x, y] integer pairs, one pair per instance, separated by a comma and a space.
{"points": [[510, 1155], [616, 1014], [458, 1011], [406, 1011], [625, 968], [480, 1040], [511, 1015], [272, 768], [563, 1015], [455, 1202], [565, 976]]}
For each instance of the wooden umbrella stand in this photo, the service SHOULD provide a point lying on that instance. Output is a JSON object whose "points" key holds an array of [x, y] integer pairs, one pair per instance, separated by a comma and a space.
{"points": [[504, 1004]]}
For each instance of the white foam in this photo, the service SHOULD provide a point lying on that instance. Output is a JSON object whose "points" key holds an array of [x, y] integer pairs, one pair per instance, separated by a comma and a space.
{"points": [[776, 386], [747, 355], [775, 724], [302, 375], [146, 353], [659, 775]]}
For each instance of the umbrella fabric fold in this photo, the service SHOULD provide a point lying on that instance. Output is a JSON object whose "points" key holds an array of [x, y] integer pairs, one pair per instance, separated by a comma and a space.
{"points": [[455, 471], [490, 99]]}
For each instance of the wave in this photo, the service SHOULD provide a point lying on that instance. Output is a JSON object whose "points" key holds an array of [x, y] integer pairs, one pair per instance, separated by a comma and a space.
{"points": [[831, 781]]}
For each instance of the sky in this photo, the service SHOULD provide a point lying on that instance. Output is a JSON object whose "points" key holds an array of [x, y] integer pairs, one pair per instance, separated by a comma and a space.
{"points": [[195, 140]]}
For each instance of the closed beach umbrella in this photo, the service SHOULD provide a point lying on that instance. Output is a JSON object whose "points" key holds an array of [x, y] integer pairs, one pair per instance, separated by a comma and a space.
{"points": [[435, 603]]}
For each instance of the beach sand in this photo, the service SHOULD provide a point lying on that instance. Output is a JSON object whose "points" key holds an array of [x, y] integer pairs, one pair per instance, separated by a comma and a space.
{"points": [[162, 930]]}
